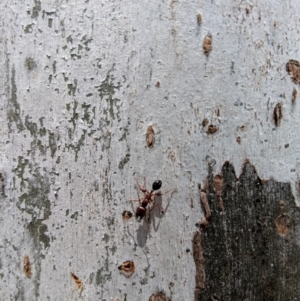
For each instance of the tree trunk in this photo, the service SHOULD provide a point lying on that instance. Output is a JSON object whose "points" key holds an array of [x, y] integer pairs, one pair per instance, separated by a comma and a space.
{"points": [[199, 95]]}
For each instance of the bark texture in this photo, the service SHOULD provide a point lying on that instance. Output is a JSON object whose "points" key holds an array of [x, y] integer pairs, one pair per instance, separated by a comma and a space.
{"points": [[94, 93]]}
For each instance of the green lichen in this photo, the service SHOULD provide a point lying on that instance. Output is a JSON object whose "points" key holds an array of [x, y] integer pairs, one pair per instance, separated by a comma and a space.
{"points": [[65, 77], [19, 171], [36, 204], [113, 249], [107, 90], [31, 126], [75, 56], [54, 67], [110, 221], [42, 132], [77, 146], [72, 88], [124, 161], [74, 215], [14, 111], [30, 63], [87, 115], [74, 118], [106, 238], [103, 273], [28, 28], [52, 144], [36, 9], [50, 21]]}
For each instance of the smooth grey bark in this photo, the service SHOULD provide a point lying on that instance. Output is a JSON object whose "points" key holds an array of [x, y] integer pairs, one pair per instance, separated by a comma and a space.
{"points": [[81, 83]]}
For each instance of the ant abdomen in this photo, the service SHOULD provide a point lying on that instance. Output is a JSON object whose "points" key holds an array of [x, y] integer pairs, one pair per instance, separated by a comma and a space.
{"points": [[140, 212]]}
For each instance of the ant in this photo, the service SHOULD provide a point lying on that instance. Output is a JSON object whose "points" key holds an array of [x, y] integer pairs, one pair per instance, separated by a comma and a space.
{"points": [[149, 196]]}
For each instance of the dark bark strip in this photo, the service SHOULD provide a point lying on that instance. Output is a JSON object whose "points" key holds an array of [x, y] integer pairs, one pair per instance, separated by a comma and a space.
{"points": [[251, 244]]}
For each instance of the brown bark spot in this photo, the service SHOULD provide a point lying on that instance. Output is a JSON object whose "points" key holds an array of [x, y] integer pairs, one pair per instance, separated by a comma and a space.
{"points": [[294, 95], [77, 282], [199, 261], [160, 296], [212, 129], [293, 69], [127, 268], [277, 114], [126, 215], [27, 266], [204, 201], [298, 187], [204, 222], [238, 140], [283, 224], [199, 19], [207, 44], [205, 122], [150, 136]]}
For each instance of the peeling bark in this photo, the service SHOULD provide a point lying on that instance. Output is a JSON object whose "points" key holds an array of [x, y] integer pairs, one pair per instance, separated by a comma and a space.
{"points": [[250, 246]]}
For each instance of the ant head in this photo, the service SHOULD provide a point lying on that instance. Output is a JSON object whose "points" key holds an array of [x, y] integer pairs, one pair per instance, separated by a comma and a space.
{"points": [[156, 185]]}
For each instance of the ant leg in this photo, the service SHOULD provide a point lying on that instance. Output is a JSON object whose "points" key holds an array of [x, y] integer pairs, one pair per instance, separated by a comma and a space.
{"points": [[133, 201], [159, 193], [141, 188]]}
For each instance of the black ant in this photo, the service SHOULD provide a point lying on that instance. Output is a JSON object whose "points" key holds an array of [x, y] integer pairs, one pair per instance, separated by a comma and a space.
{"points": [[149, 198]]}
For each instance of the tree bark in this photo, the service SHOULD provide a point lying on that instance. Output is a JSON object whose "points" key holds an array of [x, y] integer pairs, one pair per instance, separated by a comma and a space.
{"points": [[199, 95]]}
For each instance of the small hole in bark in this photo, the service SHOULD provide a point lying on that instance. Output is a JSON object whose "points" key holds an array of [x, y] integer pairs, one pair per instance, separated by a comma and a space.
{"points": [[199, 19], [126, 215], [212, 129], [205, 122], [127, 268], [277, 114], [27, 266], [150, 136], [294, 95], [293, 69], [207, 44]]}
